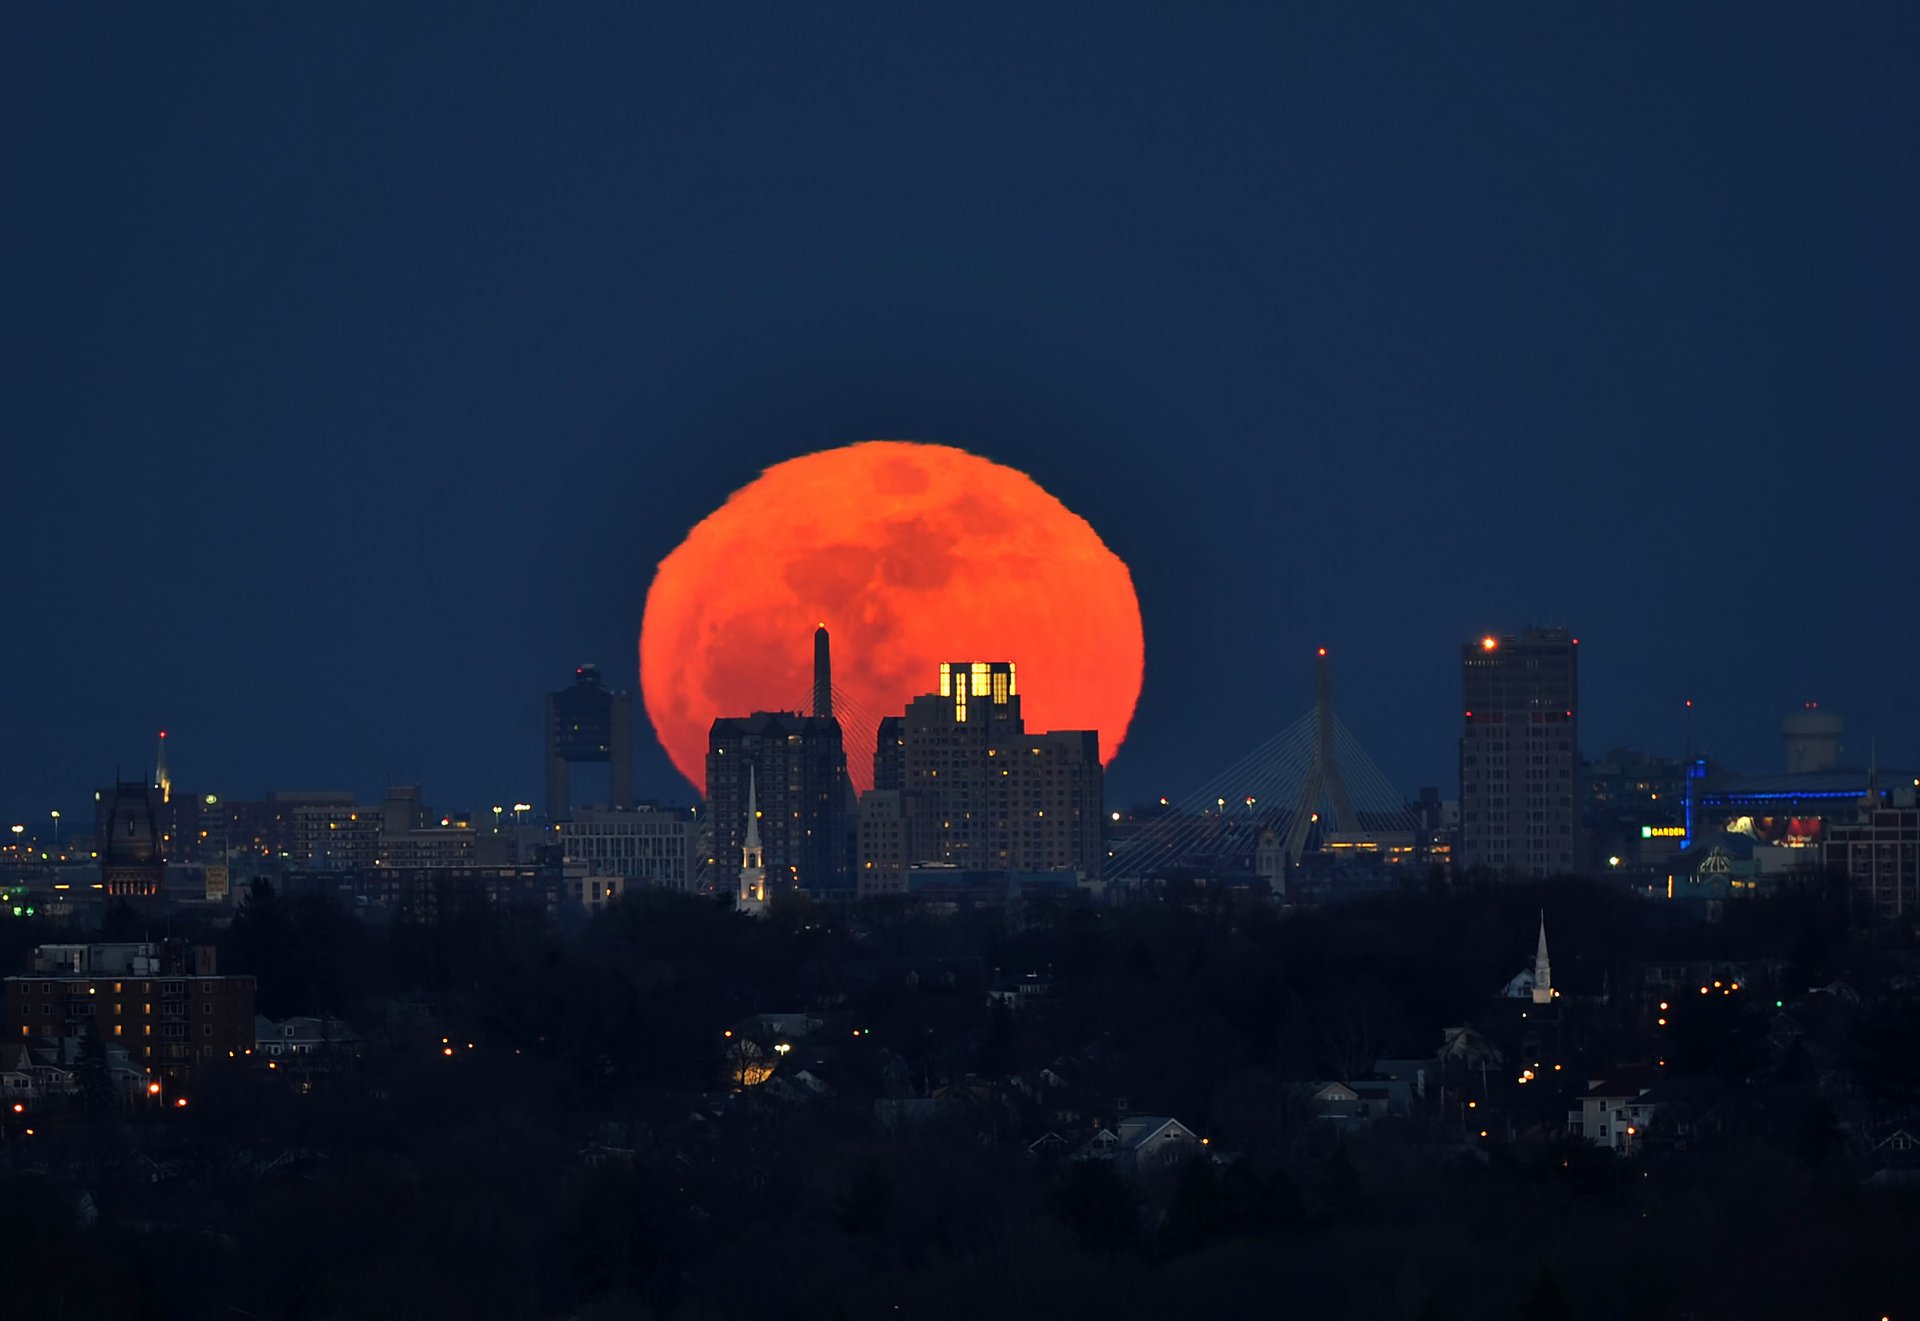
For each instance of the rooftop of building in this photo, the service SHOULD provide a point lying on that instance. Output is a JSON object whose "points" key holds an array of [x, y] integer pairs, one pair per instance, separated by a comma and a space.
{"points": [[1846, 783], [773, 722]]}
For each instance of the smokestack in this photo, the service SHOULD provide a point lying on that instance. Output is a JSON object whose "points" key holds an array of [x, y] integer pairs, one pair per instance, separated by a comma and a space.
{"points": [[822, 673]]}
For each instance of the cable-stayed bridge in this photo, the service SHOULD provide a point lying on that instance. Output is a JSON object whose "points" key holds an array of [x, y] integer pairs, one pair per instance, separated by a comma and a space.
{"points": [[859, 727], [1309, 787]]}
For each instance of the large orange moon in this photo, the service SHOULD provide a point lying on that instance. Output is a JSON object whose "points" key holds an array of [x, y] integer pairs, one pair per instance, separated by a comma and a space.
{"points": [[911, 554]]}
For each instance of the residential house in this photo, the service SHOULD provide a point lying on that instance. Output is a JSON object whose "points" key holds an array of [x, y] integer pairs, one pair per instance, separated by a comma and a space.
{"points": [[1615, 1108], [302, 1036], [1151, 1142]]}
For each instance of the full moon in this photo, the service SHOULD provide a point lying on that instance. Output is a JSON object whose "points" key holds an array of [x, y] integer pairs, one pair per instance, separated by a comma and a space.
{"points": [[910, 554]]}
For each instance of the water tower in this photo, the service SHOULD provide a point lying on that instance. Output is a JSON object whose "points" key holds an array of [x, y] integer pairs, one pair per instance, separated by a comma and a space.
{"points": [[1813, 739]]}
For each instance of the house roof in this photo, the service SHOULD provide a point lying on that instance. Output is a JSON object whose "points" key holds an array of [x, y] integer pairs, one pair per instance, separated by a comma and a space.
{"points": [[1625, 1081], [1138, 1131]]}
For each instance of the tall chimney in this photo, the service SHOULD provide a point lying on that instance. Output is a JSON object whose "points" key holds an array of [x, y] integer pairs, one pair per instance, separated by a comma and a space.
{"points": [[822, 673]]}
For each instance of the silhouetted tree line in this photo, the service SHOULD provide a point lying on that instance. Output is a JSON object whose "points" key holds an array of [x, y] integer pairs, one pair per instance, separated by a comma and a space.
{"points": [[572, 1150]]}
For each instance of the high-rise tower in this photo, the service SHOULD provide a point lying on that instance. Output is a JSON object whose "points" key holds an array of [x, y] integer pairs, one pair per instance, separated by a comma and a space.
{"points": [[796, 768], [1520, 752], [960, 781], [588, 723]]}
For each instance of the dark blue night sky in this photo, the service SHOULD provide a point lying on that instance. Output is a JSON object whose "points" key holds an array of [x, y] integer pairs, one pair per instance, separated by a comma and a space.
{"points": [[359, 366]]}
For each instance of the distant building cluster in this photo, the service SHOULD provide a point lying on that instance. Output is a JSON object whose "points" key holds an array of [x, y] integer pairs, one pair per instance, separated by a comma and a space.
{"points": [[970, 807], [961, 789]]}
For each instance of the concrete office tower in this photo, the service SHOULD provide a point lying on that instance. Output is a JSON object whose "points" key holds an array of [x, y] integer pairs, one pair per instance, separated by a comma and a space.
{"points": [[1813, 739], [588, 723], [1520, 752], [822, 673]]}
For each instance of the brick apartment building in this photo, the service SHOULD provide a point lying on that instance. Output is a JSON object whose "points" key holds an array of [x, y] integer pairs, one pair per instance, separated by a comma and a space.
{"points": [[161, 1002]]}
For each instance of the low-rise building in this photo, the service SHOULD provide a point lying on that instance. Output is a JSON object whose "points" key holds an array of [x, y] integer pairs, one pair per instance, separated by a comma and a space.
{"points": [[643, 846]]}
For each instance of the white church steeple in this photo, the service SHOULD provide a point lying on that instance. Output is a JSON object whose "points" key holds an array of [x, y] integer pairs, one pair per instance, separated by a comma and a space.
{"points": [[1542, 968], [753, 862]]}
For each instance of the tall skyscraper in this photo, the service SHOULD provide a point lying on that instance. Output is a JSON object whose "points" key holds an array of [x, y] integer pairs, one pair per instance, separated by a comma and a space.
{"points": [[795, 767], [1520, 752], [588, 723], [959, 780]]}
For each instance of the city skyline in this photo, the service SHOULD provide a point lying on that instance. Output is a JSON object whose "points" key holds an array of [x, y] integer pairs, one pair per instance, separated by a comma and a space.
{"points": [[1764, 738], [866, 661]]}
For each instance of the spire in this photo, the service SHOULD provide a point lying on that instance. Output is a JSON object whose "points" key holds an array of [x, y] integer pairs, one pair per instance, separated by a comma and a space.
{"points": [[822, 673], [753, 863], [161, 779], [1542, 967]]}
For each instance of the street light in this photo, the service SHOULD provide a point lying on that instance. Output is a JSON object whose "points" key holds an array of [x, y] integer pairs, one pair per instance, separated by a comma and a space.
{"points": [[56, 829], [497, 810]]}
